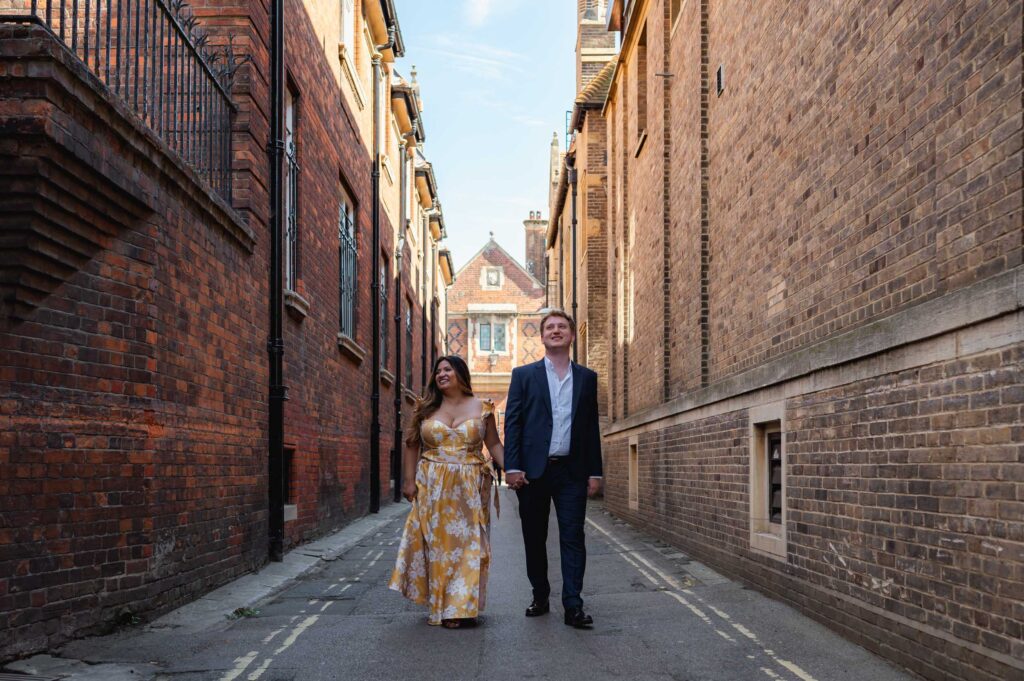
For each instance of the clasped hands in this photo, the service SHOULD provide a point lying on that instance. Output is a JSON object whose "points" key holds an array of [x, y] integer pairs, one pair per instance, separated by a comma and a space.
{"points": [[517, 480]]}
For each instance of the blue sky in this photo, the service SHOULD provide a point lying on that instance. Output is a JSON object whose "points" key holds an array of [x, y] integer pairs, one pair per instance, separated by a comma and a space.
{"points": [[496, 78]]}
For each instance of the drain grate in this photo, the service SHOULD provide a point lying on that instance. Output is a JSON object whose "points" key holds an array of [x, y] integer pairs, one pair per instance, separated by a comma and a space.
{"points": [[7, 676]]}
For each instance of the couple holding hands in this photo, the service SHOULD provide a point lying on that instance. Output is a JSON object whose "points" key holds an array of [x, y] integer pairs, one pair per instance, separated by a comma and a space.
{"points": [[551, 455]]}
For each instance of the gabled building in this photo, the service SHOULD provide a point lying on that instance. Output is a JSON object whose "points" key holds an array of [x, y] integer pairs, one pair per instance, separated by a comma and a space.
{"points": [[494, 318]]}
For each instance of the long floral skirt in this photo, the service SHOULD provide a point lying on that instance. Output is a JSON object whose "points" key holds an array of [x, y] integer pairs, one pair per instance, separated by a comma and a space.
{"points": [[445, 551]]}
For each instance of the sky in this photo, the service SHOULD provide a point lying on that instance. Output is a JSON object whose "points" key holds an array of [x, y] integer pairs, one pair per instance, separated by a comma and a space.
{"points": [[496, 78]]}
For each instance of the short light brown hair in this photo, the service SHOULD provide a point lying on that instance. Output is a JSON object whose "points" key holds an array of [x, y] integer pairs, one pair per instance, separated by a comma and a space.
{"points": [[555, 312]]}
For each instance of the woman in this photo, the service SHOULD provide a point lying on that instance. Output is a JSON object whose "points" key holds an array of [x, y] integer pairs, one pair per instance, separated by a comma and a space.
{"points": [[445, 550]]}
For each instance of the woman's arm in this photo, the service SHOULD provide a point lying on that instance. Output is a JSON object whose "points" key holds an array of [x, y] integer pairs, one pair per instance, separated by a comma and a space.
{"points": [[410, 457], [492, 440]]}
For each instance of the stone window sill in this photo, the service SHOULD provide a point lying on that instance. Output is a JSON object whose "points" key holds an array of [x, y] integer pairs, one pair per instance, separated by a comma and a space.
{"points": [[410, 396], [386, 377], [296, 305], [768, 543], [351, 349]]}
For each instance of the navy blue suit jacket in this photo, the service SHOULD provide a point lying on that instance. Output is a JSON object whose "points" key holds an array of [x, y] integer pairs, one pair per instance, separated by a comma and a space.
{"points": [[528, 422]]}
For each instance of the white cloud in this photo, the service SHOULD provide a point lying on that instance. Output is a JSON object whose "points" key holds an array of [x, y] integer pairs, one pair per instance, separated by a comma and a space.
{"points": [[478, 11], [477, 59]]}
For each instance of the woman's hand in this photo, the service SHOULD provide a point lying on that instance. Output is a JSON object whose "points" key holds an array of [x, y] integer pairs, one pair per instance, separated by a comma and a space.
{"points": [[409, 490]]}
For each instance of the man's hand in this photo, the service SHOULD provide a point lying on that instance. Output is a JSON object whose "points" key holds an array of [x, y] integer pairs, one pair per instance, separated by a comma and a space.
{"points": [[593, 487], [515, 480]]}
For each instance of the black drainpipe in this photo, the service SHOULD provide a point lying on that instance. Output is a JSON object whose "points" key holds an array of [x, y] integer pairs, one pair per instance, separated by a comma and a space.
{"points": [[375, 284], [275, 345], [571, 165]]}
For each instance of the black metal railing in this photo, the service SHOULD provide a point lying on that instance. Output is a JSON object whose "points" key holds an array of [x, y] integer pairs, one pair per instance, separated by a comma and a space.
{"points": [[154, 57]]}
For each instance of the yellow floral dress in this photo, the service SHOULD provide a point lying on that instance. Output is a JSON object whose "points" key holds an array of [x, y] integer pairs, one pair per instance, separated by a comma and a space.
{"points": [[445, 550]]}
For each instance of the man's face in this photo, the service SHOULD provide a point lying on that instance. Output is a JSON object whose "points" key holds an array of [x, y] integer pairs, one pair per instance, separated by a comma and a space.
{"points": [[556, 333]]}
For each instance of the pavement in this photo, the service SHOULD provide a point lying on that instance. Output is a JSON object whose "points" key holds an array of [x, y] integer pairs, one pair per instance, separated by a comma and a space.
{"points": [[325, 614]]}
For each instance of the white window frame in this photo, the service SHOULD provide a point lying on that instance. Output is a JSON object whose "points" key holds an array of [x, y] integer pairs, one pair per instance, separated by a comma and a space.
{"points": [[347, 32], [766, 537]]}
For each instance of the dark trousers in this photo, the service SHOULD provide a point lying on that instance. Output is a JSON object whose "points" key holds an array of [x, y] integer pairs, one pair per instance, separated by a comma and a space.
{"points": [[570, 498]]}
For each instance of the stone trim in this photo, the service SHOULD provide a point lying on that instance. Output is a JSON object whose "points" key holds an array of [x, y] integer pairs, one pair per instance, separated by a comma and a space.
{"points": [[994, 300], [351, 349], [296, 305]]}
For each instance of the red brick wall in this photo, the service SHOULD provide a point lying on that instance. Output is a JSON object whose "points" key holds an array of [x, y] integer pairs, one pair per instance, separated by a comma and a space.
{"points": [[133, 400], [133, 418]]}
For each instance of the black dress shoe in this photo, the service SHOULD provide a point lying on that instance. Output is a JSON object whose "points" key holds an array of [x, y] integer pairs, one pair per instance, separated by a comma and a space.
{"points": [[575, 617], [538, 608]]}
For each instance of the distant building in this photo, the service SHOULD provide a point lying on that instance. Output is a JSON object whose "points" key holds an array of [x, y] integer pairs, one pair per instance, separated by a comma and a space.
{"points": [[494, 312]]}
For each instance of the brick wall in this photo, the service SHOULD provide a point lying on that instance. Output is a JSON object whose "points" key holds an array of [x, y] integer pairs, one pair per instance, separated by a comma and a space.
{"points": [[914, 192], [133, 405], [844, 234], [133, 415]]}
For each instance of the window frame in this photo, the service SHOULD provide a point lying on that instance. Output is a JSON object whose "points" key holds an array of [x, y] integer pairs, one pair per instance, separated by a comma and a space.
{"points": [[291, 188], [767, 537], [348, 264], [480, 327]]}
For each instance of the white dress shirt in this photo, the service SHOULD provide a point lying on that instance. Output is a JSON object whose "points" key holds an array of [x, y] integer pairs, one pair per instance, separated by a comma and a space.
{"points": [[560, 390]]}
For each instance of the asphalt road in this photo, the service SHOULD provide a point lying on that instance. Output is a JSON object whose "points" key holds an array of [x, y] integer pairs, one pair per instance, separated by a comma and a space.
{"points": [[657, 614]]}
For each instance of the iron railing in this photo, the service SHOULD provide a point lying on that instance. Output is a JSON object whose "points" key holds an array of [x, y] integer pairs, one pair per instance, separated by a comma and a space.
{"points": [[153, 56]]}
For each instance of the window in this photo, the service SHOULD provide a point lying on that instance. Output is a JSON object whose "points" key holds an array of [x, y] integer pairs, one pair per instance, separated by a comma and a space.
{"points": [[773, 441], [768, 480], [499, 338], [491, 278], [408, 343], [485, 336], [384, 276], [348, 25], [633, 474], [347, 259], [291, 194]]}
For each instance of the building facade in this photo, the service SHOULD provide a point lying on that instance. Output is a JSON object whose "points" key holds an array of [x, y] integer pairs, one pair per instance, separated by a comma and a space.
{"points": [[494, 313], [814, 246], [577, 236], [138, 308]]}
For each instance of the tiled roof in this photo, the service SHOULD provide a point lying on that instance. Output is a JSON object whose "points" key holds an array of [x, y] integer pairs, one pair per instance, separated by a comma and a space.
{"points": [[596, 91]]}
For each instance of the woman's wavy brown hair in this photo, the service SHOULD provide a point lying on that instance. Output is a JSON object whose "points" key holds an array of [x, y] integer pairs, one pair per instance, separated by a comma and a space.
{"points": [[432, 397]]}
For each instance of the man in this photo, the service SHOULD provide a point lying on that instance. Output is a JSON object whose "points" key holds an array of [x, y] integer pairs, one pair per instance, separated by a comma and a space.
{"points": [[553, 454]]}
